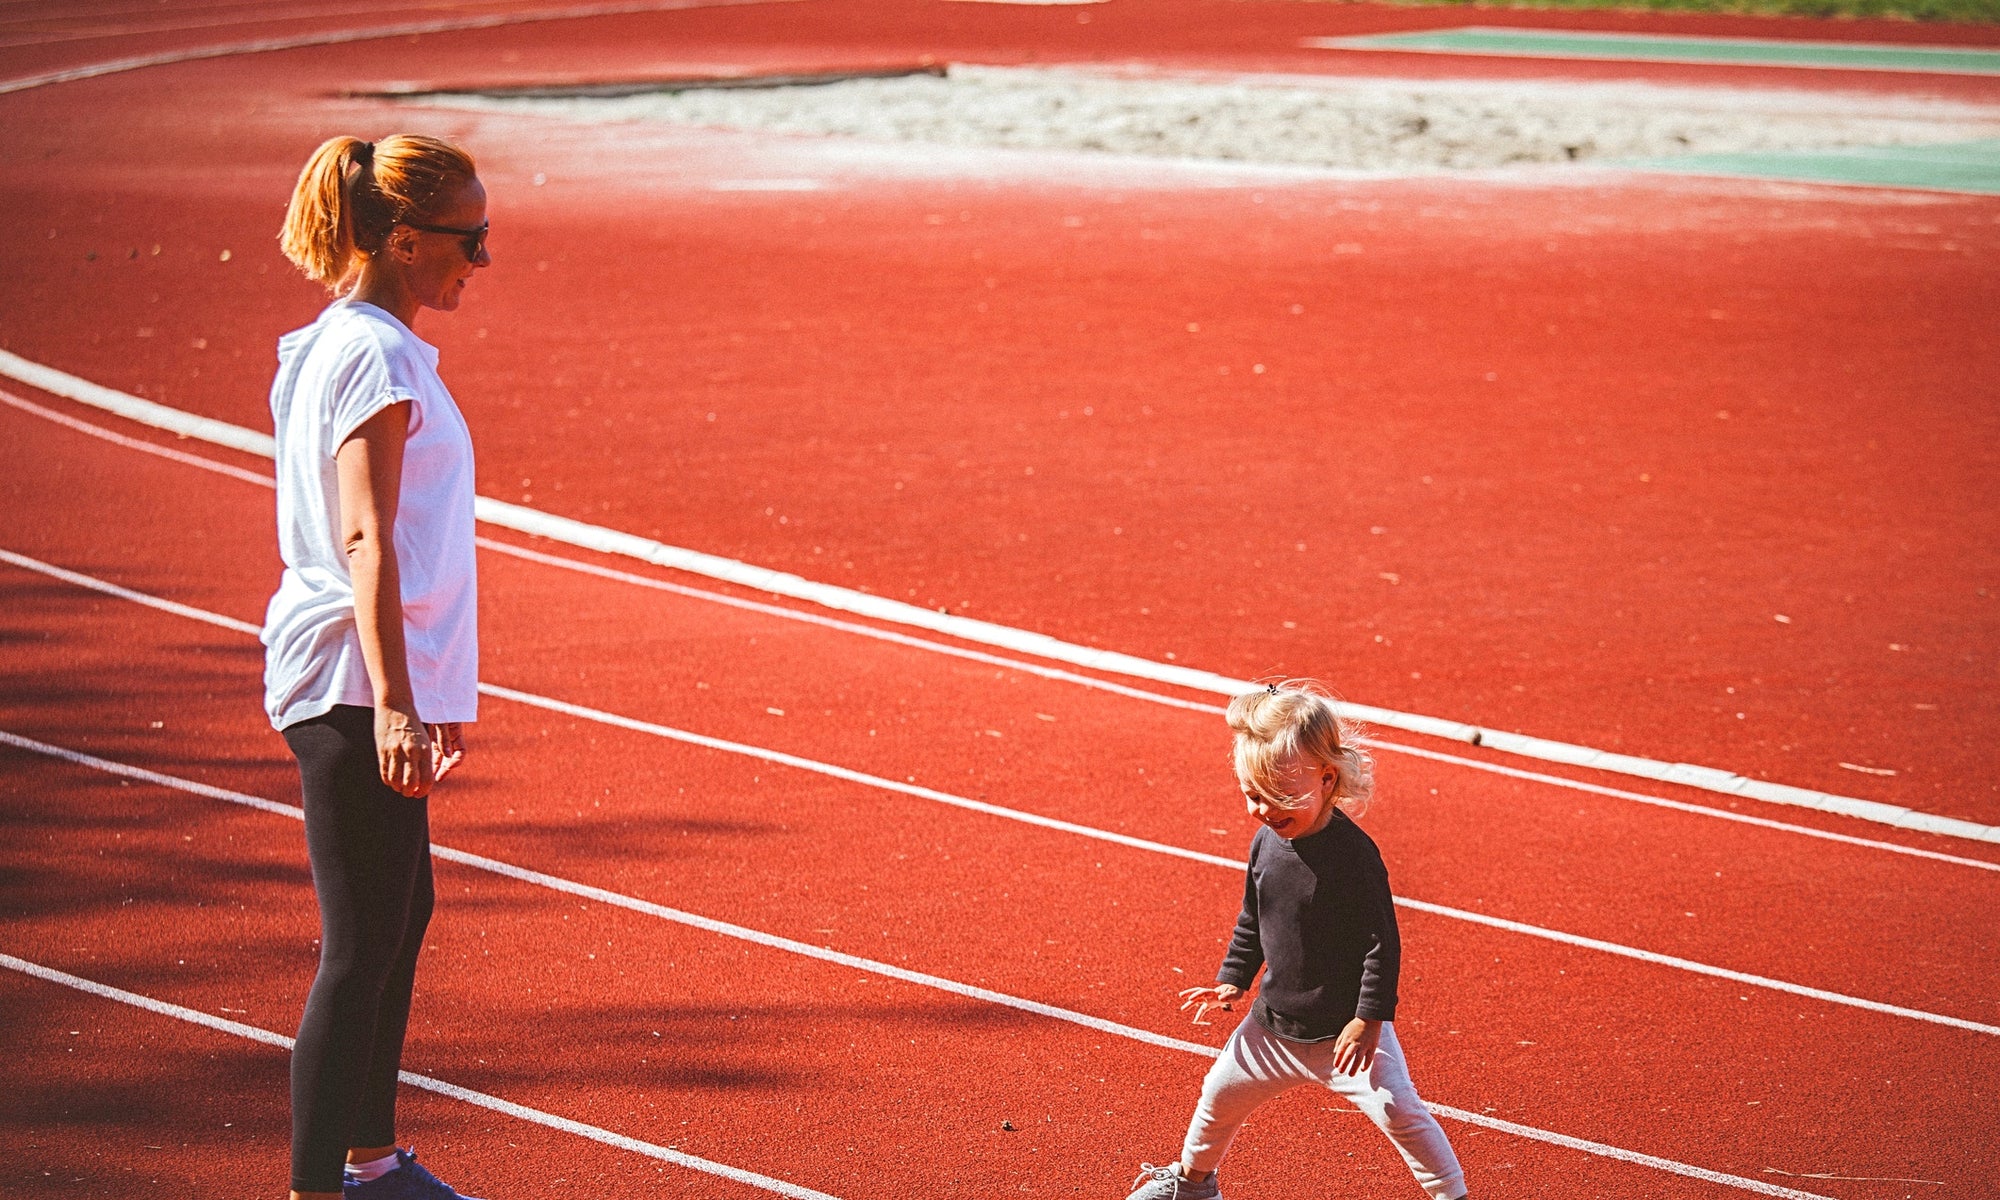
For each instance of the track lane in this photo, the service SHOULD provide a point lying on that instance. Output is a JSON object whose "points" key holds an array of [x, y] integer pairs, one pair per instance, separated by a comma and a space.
{"points": [[742, 594], [738, 1042], [1559, 983], [537, 981], [1182, 33], [1399, 877], [753, 373], [1489, 998], [933, 721]]}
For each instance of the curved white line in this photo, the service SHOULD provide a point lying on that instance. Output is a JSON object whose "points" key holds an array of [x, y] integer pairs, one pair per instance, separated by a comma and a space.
{"points": [[1015, 664], [888, 970], [428, 1083], [341, 37], [902, 787], [610, 541]]}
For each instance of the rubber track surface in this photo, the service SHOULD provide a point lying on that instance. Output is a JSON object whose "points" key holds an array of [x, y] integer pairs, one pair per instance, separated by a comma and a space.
{"points": [[980, 390]]}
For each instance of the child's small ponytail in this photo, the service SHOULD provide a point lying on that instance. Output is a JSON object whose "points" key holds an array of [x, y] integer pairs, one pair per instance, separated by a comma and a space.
{"points": [[1297, 718]]}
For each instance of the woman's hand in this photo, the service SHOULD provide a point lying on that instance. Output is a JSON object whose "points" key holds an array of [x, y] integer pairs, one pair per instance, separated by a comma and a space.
{"points": [[403, 752], [1354, 1049], [447, 749], [1203, 999]]}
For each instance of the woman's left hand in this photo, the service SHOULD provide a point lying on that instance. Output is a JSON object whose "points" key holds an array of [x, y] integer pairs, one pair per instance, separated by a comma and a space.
{"points": [[447, 748], [1354, 1049]]}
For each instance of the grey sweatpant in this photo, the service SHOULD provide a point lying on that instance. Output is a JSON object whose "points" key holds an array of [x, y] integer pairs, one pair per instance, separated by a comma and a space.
{"points": [[1257, 1065]]}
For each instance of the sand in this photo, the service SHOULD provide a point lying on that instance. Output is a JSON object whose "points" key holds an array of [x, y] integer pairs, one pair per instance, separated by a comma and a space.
{"points": [[1331, 122]]}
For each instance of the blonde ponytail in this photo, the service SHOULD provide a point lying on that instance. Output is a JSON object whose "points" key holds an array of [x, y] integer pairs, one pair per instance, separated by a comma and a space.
{"points": [[318, 237], [1283, 722], [352, 193]]}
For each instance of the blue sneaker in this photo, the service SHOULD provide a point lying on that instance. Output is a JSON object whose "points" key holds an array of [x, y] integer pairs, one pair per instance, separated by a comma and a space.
{"points": [[409, 1181]]}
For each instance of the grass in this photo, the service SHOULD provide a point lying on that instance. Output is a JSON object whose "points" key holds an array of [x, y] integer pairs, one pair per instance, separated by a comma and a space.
{"points": [[1966, 11]]}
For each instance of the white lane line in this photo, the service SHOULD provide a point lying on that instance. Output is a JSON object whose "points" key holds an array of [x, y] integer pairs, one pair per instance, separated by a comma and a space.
{"points": [[341, 37], [1682, 806], [766, 185], [108, 588], [902, 974], [1104, 835], [42, 31], [610, 541], [881, 783], [131, 443], [42, 35], [1015, 664], [633, 903], [492, 1103], [867, 631]]}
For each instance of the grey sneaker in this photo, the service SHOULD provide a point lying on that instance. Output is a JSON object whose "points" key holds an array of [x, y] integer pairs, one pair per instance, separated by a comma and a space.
{"points": [[1166, 1183]]}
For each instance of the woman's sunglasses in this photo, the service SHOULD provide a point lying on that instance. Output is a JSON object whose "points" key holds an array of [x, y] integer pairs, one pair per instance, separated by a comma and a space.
{"points": [[473, 240]]}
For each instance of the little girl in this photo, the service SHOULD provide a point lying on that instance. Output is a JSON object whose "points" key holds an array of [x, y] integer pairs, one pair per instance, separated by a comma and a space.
{"points": [[1318, 917]]}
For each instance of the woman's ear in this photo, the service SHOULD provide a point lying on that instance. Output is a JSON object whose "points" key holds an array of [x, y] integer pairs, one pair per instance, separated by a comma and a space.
{"points": [[401, 244]]}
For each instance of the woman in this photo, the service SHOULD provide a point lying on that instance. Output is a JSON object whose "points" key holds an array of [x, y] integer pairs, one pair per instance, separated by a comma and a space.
{"points": [[372, 655]]}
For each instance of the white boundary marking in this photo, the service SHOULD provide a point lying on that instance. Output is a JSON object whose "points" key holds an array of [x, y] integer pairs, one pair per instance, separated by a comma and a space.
{"points": [[428, 1083], [341, 37], [130, 443], [1014, 664], [610, 541], [882, 783], [903, 974]]}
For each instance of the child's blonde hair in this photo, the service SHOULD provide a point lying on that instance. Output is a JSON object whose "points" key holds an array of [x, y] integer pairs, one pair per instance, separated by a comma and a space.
{"points": [[352, 194], [1294, 719]]}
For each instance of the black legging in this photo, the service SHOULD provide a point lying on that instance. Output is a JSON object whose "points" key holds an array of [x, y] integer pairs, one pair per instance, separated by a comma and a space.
{"points": [[371, 867]]}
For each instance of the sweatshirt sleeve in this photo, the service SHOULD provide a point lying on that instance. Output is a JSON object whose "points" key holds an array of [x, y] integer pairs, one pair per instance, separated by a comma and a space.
{"points": [[1246, 949], [1383, 965]]}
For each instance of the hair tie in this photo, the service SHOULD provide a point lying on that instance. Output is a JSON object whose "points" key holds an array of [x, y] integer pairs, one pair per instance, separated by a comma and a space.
{"points": [[1271, 688], [363, 154]]}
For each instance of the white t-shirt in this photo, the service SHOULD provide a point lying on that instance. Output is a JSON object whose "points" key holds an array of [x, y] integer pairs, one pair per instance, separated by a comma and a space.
{"points": [[334, 374]]}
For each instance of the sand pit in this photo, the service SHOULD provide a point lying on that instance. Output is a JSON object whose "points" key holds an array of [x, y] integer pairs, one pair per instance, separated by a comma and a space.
{"points": [[1299, 121]]}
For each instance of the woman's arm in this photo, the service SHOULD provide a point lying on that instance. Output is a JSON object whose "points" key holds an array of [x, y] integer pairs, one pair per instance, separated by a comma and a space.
{"points": [[370, 472]]}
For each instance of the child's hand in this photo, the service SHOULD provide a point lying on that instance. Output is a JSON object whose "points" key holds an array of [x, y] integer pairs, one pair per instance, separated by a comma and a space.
{"points": [[1354, 1049], [1202, 999]]}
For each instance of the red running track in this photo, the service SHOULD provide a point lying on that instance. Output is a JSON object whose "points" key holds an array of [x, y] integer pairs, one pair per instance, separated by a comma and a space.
{"points": [[843, 329], [1619, 591], [1028, 912]]}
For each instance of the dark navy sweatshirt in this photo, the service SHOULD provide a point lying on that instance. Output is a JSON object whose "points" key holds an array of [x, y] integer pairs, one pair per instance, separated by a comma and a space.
{"points": [[1318, 916]]}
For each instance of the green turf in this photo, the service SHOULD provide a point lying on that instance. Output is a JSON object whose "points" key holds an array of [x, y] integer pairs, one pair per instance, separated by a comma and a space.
{"points": [[1971, 11], [1955, 167], [1635, 47]]}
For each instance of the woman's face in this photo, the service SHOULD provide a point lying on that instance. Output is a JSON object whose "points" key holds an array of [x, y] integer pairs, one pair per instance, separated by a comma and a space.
{"points": [[435, 264]]}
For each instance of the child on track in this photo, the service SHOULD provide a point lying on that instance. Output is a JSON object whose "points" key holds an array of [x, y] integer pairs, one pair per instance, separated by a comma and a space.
{"points": [[1317, 915]]}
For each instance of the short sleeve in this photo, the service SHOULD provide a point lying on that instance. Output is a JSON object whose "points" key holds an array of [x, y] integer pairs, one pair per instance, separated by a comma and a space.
{"points": [[364, 385]]}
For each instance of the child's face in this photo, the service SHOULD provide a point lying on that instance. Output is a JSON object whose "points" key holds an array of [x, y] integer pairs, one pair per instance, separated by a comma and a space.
{"points": [[1307, 801]]}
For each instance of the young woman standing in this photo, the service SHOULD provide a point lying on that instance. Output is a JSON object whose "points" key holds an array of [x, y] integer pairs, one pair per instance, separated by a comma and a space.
{"points": [[372, 651]]}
